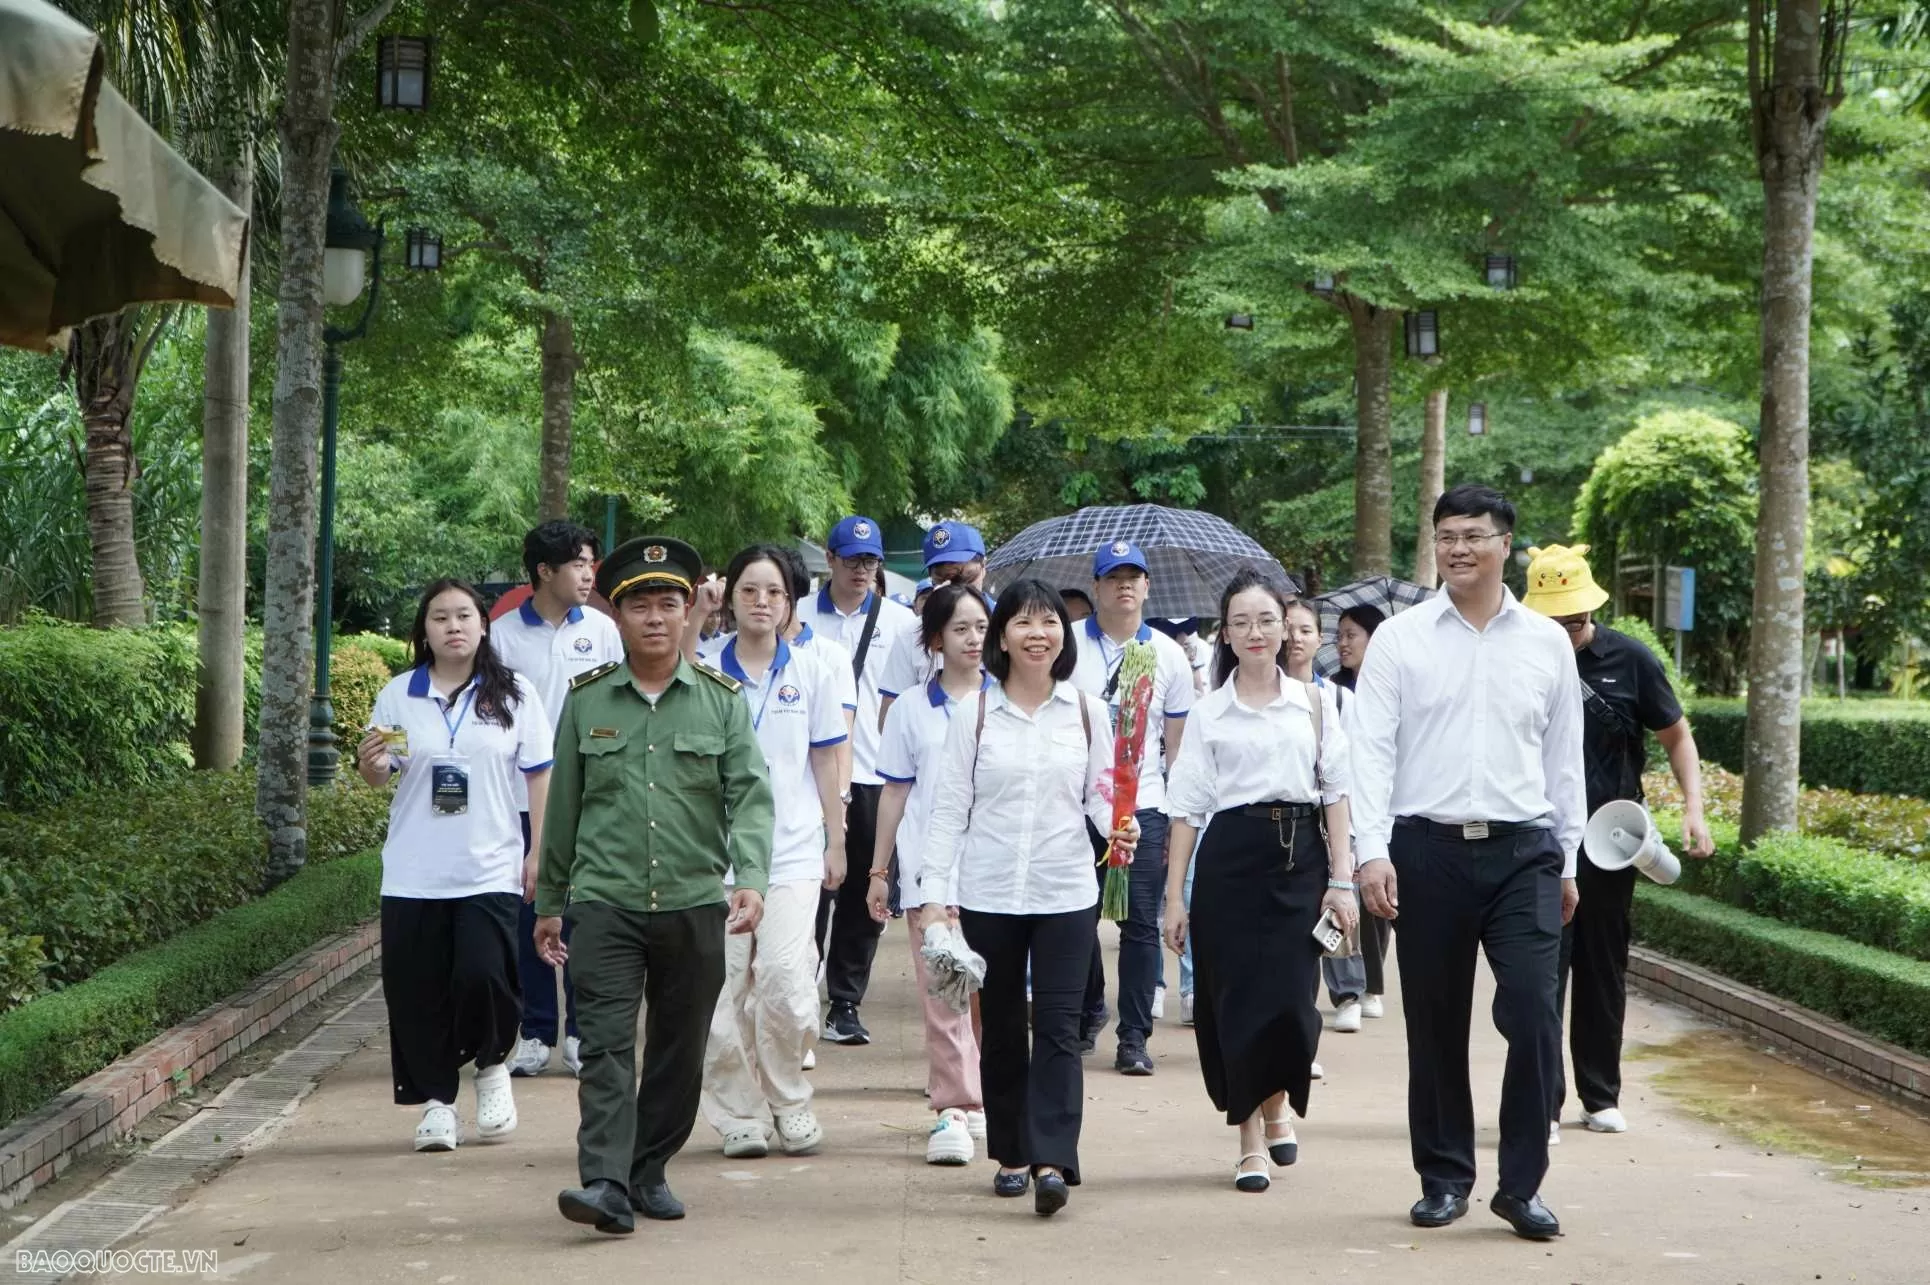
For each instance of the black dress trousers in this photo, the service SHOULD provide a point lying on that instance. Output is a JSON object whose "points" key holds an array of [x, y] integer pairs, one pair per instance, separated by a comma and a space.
{"points": [[1594, 953], [449, 982], [852, 932], [1501, 895]]}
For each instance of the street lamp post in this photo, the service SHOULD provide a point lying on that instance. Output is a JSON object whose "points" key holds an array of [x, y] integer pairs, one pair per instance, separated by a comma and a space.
{"points": [[348, 240]]}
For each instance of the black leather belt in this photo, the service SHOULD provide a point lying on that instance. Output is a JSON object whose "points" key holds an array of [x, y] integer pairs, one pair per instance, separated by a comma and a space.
{"points": [[1467, 830], [1278, 811]]}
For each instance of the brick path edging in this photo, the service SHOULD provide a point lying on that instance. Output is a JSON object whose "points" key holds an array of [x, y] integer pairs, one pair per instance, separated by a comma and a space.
{"points": [[1803, 1033], [106, 1106]]}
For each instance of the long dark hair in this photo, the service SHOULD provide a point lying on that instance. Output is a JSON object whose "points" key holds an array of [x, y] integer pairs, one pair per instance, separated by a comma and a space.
{"points": [[1018, 598], [941, 604], [1369, 618], [496, 695], [789, 570], [1224, 661]]}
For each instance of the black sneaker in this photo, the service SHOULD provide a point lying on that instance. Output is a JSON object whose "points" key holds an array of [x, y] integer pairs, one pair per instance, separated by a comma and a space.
{"points": [[841, 1024], [1133, 1059]]}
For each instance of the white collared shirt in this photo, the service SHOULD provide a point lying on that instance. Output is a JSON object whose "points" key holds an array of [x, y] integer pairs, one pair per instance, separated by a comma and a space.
{"points": [[1457, 725], [550, 656], [433, 856], [914, 738], [1173, 694], [1234, 755], [894, 620], [1008, 822], [796, 707]]}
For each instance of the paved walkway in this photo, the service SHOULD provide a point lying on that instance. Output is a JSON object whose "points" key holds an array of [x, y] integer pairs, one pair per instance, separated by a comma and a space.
{"points": [[339, 1197]]}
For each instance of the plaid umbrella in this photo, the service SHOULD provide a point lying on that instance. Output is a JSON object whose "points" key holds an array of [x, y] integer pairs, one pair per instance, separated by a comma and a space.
{"points": [[1384, 592], [1193, 554]]}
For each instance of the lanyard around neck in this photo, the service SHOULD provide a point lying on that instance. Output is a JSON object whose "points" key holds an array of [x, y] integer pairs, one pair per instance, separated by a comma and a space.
{"points": [[770, 681], [468, 699]]}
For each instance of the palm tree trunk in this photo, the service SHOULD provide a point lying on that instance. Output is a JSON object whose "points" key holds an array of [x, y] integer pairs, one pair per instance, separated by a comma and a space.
{"points": [[1433, 481], [308, 131], [104, 361], [1373, 330], [221, 595], [560, 362]]}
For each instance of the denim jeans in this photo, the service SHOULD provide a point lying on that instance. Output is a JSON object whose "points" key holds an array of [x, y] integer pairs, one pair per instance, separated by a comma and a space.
{"points": [[1186, 956]]}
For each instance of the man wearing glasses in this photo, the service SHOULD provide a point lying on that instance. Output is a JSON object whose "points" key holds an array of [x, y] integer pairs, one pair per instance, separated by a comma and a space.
{"points": [[849, 610], [1469, 807]]}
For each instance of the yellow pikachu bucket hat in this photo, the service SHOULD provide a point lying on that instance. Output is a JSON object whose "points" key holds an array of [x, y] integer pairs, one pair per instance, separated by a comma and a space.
{"points": [[1559, 582]]}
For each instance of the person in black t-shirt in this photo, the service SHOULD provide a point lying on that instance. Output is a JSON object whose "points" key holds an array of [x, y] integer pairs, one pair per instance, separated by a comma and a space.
{"points": [[1625, 696]]}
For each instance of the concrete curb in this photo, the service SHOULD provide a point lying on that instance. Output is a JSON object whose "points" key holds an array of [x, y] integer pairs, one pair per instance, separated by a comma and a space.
{"points": [[106, 1106], [1801, 1033]]}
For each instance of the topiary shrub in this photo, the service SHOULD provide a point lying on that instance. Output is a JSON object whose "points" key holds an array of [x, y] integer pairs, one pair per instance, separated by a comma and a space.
{"points": [[1876, 751], [357, 673]]}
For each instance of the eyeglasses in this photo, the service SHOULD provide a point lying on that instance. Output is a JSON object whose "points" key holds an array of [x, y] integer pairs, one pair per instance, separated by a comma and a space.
{"points": [[864, 562], [1257, 624], [1467, 540]]}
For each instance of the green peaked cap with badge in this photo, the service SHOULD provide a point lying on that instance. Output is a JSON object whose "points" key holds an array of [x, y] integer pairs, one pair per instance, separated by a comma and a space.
{"points": [[649, 562]]}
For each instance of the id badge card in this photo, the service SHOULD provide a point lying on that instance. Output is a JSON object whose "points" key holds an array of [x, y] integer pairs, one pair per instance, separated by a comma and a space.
{"points": [[449, 785]]}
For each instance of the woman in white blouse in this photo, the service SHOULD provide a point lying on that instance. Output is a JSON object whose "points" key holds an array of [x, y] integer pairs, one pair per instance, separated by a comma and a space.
{"points": [[1022, 769], [1263, 762]]}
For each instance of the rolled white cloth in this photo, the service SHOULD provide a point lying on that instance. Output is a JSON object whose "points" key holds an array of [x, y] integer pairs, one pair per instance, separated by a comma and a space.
{"points": [[953, 969]]}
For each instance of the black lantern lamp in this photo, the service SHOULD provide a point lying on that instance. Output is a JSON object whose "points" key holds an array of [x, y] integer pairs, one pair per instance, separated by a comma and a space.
{"points": [[402, 73], [1503, 273], [1240, 321], [425, 250], [1423, 333], [1477, 419], [346, 242]]}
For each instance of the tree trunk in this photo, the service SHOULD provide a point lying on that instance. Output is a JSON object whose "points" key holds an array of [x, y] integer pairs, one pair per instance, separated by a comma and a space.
{"points": [[1374, 437], [105, 370], [307, 128], [1434, 424], [221, 595], [560, 362], [1792, 113]]}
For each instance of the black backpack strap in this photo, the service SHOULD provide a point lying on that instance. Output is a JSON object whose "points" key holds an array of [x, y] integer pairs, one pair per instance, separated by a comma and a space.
{"points": [[864, 639]]}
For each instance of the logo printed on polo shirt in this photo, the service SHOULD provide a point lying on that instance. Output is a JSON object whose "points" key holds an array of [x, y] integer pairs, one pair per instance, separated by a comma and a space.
{"points": [[789, 695], [582, 646], [940, 538]]}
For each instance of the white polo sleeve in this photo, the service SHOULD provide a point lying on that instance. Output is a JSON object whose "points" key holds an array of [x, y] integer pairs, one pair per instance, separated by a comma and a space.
{"points": [[897, 761], [828, 726], [901, 671], [1175, 680], [535, 739]]}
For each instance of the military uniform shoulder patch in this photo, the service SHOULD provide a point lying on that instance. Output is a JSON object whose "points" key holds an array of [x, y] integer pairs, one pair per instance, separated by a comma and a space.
{"points": [[591, 676], [717, 676]]}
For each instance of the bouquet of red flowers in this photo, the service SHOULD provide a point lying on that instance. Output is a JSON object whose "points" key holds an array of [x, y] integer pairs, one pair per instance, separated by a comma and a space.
{"points": [[1135, 689]]}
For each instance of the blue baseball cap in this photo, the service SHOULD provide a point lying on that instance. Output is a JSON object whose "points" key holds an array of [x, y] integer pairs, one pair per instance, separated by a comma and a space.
{"points": [[953, 542], [854, 537], [1119, 553]]}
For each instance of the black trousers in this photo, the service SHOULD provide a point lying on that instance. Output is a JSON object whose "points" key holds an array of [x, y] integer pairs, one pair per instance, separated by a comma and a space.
{"points": [[449, 980], [853, 932], [1033, 1079], [672, 963], [1501, 895], [1594, 951], [1375, 933], [1139, 948]]}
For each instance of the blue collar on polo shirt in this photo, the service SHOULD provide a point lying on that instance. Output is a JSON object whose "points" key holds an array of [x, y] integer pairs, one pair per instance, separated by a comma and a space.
{"points": [[534, 618], [728, 661], [935, 690], [804, 634], [1095, 633], [419, 683], [826, 607]]}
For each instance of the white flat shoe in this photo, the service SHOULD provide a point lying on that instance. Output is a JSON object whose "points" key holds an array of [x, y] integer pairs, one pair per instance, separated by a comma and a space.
{"points": [[1347, 1017], [1554, 1133], [1608, 1120], [1251, 1180], [1372, 1006]]}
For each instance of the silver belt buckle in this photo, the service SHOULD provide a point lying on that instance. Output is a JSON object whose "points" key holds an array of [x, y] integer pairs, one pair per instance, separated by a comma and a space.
{"points": [[1474, 830], [1276, 814]]}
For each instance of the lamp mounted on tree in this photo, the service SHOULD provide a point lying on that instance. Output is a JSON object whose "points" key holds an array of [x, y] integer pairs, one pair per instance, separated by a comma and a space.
{"points": [[1477, 419], [1240, 321], [1503, 272], [1323, 285], [1423, 333], [425, 250], [403, 66], [347, 245]]}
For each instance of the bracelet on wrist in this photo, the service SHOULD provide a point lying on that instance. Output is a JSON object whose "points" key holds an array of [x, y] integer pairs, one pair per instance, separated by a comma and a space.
{"points": [[884, 874], [1343, 884]]}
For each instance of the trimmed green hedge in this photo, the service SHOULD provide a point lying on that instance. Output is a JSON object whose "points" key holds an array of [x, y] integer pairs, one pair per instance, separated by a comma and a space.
{"points": [[1868, 747], [66, 1036], [1879, 993], [110, 871]]}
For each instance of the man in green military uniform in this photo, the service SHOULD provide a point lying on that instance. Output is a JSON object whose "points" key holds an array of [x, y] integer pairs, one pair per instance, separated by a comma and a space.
{"points": [[659, 788]]}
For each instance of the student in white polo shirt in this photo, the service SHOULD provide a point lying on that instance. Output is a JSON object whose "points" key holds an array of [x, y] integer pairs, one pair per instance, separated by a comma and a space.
{"points": [[552, 638], [1121, 581], [766, 1019], [460, 728], [849, 611], [954, 554]]}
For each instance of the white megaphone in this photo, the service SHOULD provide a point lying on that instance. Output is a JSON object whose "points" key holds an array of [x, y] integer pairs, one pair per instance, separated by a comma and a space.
{"points": [[1622, 834]]}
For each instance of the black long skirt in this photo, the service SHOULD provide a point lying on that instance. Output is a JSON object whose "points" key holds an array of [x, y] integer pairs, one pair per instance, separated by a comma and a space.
{"points": [[1257, 886]]}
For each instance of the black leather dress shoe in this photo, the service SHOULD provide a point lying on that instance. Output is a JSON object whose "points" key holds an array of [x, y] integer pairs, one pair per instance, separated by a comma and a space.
{"points": [[655, 1201], [603, 1205], [1049, 1194], [1437, 1210], [1531, 1219], [1010, 1184]]}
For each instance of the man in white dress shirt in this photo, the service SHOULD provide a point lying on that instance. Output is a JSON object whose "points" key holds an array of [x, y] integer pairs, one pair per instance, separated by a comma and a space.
{"points": [[1469, 806]]}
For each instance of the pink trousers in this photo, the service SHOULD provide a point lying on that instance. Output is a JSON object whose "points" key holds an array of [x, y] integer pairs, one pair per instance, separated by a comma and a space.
{"points": [[951, 1043]]}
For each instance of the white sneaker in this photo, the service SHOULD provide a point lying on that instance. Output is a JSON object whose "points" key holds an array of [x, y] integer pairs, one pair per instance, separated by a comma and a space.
{"points": [[1554, 1133], [1371, 1006], [495, 1104], [1185, 1009], [1159, 1002], [975, 1125], [799, 1132], [810, 1059], [1347, 1017], [746, 1143], [529, 1057], [1607, 1120], [437, 1130], [1316, 1072], [951, 1140], [573, 1055]]}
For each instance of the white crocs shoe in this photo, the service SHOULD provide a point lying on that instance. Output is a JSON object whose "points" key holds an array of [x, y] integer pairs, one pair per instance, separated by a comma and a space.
{"points": [[438, 1130], [747, 1142], [951, 1140], [495, 1104], [799, 1132]]}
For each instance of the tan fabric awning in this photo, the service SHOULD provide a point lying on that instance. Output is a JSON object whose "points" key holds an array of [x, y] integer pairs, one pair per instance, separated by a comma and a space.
{"points": [[96, 211]]}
